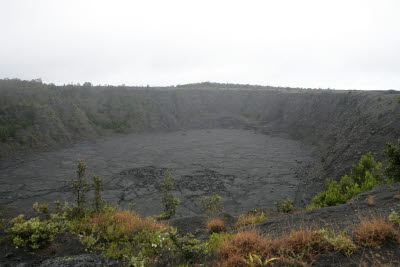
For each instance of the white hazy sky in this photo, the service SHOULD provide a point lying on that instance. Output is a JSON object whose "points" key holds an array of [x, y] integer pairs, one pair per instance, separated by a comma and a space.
{"points": [[345, 44]]}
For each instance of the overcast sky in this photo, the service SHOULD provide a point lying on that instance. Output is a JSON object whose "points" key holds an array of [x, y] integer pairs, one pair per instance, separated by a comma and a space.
{"points": [[345, 44]]}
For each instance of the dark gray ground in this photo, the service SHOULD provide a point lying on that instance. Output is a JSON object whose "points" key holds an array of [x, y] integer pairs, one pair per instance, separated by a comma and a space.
{"points": [[247, 169]]}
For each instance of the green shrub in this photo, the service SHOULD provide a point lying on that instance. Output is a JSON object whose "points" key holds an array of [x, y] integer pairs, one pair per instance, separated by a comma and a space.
{"points": [[169, 201], [394, 217], [80, 187], [363, 177], [211, 204], [392, 153], [286, 206], [41, 209], [33, 233]]}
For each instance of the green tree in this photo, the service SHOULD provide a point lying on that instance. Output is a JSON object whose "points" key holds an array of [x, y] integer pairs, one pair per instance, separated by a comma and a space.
{"points": [[169, 201], [80, 187], [211, 204]]}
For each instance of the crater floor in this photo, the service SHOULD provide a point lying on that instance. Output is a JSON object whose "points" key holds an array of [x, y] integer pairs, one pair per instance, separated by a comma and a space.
{"points": [[247, 169]]}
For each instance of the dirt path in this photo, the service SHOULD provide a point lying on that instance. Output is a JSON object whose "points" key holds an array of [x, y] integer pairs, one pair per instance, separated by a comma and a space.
{"points": [[246, 168]]}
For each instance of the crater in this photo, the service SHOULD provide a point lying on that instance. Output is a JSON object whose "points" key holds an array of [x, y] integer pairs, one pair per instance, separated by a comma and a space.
{"points": [[246, 168]]}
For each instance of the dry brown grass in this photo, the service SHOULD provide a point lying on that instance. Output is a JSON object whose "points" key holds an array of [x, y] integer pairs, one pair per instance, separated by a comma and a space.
{"points": [[304, 244], [250, 219], [235, 250], [127, 220], [375, 232], [292, 249], [216, 226]]}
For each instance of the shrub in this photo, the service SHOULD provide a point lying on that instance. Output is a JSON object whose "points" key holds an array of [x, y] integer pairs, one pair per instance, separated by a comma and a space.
{"points": [[235, 249], [250, 219], [33, 233], [394, 217], [374, 233], [39, 209], [189, 248], [169, 201], [215, 241], [363, 177], [216, 226], [392, 154], [340, 242], [304, 244], [211, 205], [370, 201], [286, 206], [80, 187]]}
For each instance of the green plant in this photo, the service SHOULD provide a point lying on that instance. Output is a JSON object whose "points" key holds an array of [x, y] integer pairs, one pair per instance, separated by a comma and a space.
{"points": [[394, 217], [80, 187], [250, 219], [169, 201], [215, 241], [33, 232], [255, 260], [39, 209], [89, 241], [191, 249], [340, 242], [211, 205], [286, 206], [392, 153], [98, 194], [363, 177]]}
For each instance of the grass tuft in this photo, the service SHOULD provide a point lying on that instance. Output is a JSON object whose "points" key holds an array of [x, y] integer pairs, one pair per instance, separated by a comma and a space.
{"points": [[374, 233], [216, 226], [250, 219]]}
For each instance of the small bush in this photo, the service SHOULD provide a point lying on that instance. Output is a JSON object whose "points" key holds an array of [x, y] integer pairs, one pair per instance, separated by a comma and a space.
{"points": [[211, 205], [374, 233], [33, 233], [363, 177], [370, 201], [286, 206], [304, 244], [189, 248], [216, 226], [235, 250], [340, 242], [39, 209], [394, 217], [169, 201], [80, 187], [250, 219]]}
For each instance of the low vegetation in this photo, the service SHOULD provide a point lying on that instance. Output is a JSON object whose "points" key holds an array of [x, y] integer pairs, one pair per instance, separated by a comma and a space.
{"points": [[211, 205], [169, 201], [363, 177], [374, 233], [250, 219], [216, 226], [286, 206]]}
